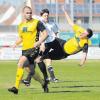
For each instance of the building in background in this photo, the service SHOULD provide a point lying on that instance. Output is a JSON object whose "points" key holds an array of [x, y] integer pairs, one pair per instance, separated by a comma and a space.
{"points": [[85, 12]]}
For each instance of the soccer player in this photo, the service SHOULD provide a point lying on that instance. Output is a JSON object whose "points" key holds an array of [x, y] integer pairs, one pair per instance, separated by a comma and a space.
{"points": [[50, 42], [29, 31]]}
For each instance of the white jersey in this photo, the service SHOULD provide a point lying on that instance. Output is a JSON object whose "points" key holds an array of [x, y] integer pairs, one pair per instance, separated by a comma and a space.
{"points": [[51, 29]]}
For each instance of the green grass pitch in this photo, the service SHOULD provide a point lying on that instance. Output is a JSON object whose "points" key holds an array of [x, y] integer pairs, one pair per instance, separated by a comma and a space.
{"points": [[75, 82]]}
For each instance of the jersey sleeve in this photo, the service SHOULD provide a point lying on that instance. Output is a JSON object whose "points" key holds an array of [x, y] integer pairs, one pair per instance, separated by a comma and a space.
{"points": [[85, 48], [40, 27]]}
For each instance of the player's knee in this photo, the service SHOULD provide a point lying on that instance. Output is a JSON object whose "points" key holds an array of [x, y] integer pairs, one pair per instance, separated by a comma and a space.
{"points": [[20, 65], [32, 72], [48, 62], [37, 60], [26, 63]]}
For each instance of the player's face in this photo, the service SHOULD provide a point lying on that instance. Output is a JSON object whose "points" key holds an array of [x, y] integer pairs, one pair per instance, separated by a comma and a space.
{"points": [[45, 16], [27, 14]]}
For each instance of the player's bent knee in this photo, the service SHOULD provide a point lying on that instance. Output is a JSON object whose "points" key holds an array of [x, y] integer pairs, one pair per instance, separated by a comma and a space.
{"points": [[37, 60], [26, 63], [32, 72], [20, 65]]}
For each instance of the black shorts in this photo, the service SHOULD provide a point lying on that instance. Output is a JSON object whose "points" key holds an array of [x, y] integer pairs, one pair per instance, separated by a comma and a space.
{"points": [[57, 51], [31, 54], [56, 44], [27, 63]]}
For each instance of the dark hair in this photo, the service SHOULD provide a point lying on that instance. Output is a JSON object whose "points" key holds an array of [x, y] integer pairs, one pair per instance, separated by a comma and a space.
{"points": [[44, 11], [90, 33], [27, 7]]}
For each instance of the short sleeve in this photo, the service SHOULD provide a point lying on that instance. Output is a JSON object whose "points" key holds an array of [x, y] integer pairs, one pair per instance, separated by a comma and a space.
{"points": [[40, 27], [85, 48]]}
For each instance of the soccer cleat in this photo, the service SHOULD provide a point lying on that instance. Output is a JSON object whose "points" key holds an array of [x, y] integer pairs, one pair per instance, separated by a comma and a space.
{"points": [[45, 87], [54, 80], [13, 90], [27, 83]]}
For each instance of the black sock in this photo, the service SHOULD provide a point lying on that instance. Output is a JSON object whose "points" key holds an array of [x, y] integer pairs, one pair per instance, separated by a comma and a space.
{"points": [[43, 70], [31, 73], [51, 72]]}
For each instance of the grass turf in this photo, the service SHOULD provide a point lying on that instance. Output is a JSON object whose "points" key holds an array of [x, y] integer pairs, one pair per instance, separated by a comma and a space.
{"points": [[75, 82]]}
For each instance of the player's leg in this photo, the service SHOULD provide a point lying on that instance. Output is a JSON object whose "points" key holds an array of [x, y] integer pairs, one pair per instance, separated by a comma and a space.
{"points": [[36, 76], [31, 73], [48, 47], [19, 75], [42, 67], [51, 70]]}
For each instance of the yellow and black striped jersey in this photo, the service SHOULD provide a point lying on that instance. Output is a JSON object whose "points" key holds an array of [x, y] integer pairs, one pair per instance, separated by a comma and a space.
{"points": [[29, 32], [75, 44]]}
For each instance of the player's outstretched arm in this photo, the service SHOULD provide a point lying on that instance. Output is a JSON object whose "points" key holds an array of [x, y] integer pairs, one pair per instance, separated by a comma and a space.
{"points": [[83, 60], [70, 22]]}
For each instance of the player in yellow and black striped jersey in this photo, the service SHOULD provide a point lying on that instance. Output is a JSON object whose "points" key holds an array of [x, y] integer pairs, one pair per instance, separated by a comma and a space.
{"points": [[70, 47], [28, 31], [80, 40]]}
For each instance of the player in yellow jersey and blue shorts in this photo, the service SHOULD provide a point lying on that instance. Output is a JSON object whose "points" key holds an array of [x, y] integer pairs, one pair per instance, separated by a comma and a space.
{"points": [[28, 31]]}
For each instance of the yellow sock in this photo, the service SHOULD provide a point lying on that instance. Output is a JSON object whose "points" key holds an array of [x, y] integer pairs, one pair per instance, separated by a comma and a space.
{"points": [[18, 77]]}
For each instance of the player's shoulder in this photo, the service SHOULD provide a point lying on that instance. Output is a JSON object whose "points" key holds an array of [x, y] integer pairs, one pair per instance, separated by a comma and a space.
{"points": [[20, 24], [35, 20], [76, 26]]}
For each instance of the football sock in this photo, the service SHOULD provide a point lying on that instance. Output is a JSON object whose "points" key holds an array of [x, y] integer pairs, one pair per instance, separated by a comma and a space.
{"points": [[18, 77], [43, 69], [51, 72]]}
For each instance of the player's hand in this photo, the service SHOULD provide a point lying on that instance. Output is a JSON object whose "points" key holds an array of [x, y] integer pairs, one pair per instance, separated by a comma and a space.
{"points": [[42, 47], [38, 59], [37, 44]]}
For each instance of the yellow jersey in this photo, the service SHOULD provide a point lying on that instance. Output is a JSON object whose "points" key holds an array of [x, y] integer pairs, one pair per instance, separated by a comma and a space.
{"points": [[78, 30], [28, 32], [75, 44]]}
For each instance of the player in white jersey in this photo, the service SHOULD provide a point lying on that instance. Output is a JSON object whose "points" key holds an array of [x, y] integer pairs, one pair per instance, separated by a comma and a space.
{"points": [[50, 43]]}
